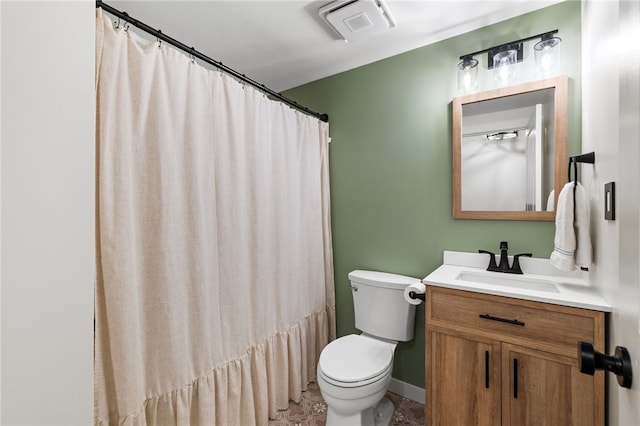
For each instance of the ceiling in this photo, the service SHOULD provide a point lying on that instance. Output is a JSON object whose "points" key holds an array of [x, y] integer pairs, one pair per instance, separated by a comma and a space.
{"points": [[285, 43]]}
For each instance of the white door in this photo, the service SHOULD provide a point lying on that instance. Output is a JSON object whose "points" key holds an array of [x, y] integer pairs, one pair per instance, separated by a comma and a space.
{"points": [[611, 128]]}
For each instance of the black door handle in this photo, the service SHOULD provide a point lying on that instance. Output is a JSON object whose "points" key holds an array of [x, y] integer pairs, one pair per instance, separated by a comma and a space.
{"points": [[590, 360]]}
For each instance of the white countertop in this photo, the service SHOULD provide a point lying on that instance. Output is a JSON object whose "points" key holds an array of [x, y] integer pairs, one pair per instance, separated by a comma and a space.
{"points": [[467, 271]]}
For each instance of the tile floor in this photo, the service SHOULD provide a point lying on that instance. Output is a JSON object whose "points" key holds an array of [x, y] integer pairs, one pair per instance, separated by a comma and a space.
{"points": [[312, 411]]}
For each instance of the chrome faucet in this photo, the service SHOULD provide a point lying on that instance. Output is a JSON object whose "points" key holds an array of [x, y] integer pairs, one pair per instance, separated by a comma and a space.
{"points": [[504, 260]]}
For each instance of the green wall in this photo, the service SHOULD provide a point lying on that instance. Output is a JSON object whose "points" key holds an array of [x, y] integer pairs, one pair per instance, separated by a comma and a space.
{"points": [[390, 163]]}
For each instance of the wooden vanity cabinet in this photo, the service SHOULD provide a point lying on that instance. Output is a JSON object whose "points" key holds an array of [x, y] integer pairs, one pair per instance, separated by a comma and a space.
{"points": [[493, 360], [463, 385]]}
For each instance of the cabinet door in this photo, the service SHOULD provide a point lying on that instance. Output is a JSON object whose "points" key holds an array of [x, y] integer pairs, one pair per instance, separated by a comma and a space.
{"points": [[541, 388], [463, 380]]}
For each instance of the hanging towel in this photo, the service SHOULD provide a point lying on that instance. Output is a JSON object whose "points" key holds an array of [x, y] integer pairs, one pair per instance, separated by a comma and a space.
{"points": [[572, 243], [581, 225], [551, 200]]}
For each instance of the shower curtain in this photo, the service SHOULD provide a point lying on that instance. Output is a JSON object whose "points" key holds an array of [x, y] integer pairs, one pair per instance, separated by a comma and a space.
{"points": [[214, 290]]}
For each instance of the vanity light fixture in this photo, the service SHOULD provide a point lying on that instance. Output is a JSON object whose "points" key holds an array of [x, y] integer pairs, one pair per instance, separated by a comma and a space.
{"points": [[501, 136], [502, 59], [547, 54], [468, 74], [504, 69]]}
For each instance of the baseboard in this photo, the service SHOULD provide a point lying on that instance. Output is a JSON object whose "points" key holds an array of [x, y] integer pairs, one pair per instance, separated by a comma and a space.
{"points": [[407, 390]]}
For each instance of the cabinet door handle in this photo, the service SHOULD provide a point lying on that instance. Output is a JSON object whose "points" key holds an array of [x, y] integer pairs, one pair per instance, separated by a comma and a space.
{"points": [[486, 369], [515, 378], [508, 321]]}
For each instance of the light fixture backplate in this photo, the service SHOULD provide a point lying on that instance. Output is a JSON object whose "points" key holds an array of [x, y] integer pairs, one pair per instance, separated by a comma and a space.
{"points": [[512, 46]]}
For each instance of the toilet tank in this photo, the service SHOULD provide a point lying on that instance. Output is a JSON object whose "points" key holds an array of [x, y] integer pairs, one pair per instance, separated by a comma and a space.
{"points": [[379, 304]]}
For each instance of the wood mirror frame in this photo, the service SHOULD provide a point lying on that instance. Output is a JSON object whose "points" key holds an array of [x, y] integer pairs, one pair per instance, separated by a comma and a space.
{"points": [[560, 147]]}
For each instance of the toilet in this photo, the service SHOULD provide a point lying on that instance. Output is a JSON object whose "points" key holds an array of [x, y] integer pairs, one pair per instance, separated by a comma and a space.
{"points": [[354, 371]]}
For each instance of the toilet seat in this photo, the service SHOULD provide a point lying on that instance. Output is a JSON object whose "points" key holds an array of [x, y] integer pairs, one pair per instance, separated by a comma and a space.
{"points": [[351, 385], [356, 360]]}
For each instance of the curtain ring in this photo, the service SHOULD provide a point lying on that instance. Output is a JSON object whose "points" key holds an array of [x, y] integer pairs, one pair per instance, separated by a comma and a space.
{"points": [[158, 39], [126, 23], [192, 56], [117, 24]]}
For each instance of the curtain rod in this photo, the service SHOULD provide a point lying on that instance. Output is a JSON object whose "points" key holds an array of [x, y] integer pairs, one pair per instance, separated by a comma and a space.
{"points": [[193, 52]]}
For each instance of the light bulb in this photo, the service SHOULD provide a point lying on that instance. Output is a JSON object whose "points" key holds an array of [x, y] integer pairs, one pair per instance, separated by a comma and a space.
{"points": [[468, 74], [547, 56], [504, 67]]}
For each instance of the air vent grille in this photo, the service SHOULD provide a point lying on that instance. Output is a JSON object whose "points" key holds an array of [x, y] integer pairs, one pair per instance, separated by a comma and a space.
{"points": [[353, 20], [359, 22]]}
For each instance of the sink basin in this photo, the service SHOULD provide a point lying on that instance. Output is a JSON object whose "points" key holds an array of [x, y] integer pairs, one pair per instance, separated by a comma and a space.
{"points": [[509, 280], [541, 281]]}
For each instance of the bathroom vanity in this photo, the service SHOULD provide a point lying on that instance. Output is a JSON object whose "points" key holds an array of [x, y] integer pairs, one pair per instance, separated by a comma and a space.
{"points": [[502, 349]]}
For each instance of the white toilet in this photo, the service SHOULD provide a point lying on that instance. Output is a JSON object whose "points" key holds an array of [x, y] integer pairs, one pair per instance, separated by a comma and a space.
{"points": [[354, 371]]}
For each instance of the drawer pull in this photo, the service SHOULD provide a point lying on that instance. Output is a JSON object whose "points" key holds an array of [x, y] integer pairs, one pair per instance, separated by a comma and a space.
{"points": [[508, 321]]}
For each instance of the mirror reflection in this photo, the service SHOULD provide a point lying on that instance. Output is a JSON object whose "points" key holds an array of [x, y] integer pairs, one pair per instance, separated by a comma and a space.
{"points": [[507, 153], [509, 148]]}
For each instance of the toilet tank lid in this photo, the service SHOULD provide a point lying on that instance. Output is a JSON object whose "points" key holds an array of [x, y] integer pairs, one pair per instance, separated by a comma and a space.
{"points": [[382, 279]]}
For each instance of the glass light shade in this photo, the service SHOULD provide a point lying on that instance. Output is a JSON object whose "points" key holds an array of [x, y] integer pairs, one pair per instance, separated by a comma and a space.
{"points": [[547, 56], [468, 75], [504, 67]]}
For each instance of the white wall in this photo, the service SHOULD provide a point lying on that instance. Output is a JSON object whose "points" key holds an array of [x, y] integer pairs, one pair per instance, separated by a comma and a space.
{"points": [[47, 192], [611, 128]]}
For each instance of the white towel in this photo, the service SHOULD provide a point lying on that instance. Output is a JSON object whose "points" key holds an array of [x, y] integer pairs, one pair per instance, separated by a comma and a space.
{"points": [[550, 200], [572, 243]]}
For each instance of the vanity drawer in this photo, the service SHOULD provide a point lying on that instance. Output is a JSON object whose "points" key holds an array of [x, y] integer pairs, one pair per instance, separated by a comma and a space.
{"points": [[545, 323]]}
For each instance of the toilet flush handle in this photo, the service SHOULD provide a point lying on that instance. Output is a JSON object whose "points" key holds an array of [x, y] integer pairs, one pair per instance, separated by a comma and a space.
{"points": [[353, 287]]}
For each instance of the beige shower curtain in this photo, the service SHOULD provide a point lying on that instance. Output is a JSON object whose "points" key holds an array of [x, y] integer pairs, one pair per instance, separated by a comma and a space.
{"points": [[214, 294]]}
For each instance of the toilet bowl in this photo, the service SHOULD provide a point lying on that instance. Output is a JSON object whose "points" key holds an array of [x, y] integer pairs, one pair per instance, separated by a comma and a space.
{"points": [[354, 371]]}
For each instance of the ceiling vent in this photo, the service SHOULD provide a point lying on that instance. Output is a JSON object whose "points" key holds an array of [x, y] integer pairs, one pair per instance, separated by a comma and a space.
{"points": [[355, 19]]}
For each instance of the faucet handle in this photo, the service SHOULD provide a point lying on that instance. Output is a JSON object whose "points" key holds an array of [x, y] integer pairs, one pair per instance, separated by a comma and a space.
{"points": [[492, 260], [515, 268]]}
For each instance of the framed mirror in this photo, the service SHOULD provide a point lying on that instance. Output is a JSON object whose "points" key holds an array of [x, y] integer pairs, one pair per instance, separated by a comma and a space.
{"points": [[510, 151]]}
